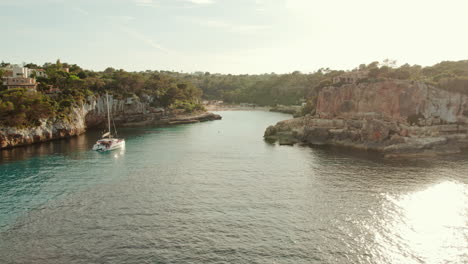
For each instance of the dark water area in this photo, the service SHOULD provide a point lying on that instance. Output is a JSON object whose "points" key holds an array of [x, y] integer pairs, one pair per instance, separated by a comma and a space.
{"points": [[215, 192]]}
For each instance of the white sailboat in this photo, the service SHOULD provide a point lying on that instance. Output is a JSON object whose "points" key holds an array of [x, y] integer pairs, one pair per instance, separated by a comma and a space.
{"points": [[108, 142]]}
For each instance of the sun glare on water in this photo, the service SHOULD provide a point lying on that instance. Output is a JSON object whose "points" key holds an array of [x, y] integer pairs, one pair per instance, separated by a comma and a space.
{"points": [[424, 227]]}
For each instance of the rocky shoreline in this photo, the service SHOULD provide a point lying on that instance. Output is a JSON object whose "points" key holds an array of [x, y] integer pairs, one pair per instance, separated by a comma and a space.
{"points": [[235, 107], [173, 119], [294, 110], [395, 118], [93, 114]]}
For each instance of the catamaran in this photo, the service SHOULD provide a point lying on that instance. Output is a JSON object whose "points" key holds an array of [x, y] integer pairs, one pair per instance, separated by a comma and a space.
{"points": [[108, 142]]}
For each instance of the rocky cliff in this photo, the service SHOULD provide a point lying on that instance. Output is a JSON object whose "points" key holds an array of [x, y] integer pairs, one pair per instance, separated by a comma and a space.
{"points": [[129, 112], [137, 112], [394, 117], [287, 109], [132, 109], [49, 129]]}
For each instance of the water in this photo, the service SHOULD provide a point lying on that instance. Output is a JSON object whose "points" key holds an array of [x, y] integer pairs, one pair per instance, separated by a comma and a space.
{"points": [[215, 192]]}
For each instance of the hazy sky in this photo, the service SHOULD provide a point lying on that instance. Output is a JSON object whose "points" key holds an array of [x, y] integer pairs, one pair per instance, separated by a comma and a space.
{"points": [[233, 36]]}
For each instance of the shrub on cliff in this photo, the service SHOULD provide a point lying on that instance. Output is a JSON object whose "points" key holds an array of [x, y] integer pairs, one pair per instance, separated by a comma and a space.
{"points": [[188, 107], [449, 75], [454, 84], [21, 108], [309, 108]]}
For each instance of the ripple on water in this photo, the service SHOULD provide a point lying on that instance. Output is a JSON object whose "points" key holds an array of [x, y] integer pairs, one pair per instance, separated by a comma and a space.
{"points": [[216, 192]]}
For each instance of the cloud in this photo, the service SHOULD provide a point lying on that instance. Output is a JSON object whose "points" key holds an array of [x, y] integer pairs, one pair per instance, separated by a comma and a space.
{"points": [[173, 3], [201, 2], [29, 3], [119, 21], [145, 3], [123, 19], [141, 37], [299, 5], [80, 10], [233, 28]]}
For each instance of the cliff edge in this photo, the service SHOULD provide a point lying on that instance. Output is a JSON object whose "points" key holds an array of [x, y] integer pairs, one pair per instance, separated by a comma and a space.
{"points": [[93, 113], [395, 117]]}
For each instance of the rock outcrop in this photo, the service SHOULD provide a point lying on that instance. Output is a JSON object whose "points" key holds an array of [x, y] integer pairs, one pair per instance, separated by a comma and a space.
{"points": [[394, 117], [134, 112], [287, 109], [129, 112], [49, 129], [132, 109]]}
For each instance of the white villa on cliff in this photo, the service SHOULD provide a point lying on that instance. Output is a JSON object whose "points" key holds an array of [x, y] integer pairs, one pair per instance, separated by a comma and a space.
{"points": [[22, 77], [20, 82]]}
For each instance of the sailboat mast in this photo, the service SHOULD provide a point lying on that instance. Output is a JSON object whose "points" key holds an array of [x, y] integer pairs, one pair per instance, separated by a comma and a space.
{"points": [[108, 114]]}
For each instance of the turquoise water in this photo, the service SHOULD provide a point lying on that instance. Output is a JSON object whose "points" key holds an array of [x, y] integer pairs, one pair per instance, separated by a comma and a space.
{"points": [[216, 192]]}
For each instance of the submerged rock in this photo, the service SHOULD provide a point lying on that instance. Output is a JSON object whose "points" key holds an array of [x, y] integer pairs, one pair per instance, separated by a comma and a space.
{"points": [[394, 117]]}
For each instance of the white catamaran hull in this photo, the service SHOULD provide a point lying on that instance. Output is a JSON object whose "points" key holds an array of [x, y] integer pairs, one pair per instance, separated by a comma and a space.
{"points": [[109, 144]]}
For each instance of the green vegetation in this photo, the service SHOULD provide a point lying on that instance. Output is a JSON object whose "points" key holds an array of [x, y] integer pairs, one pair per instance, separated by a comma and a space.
{"points": [[265, 90], [449, 75], [68, 85], [175, 90], [19, 108], [187, 106], [296, 87]]}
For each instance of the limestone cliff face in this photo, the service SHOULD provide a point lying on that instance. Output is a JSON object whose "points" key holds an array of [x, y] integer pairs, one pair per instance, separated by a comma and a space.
{"points": [[128, 112], [393, 99], [132, 109], [49, 129], [397, 118]]}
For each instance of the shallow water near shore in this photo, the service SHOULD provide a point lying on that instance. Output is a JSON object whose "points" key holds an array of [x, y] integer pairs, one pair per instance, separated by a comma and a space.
{"points": [[216, 192]]}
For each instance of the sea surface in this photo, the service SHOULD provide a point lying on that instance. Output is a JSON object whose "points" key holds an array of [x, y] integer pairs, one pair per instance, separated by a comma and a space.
{"points": [[216, 192]]}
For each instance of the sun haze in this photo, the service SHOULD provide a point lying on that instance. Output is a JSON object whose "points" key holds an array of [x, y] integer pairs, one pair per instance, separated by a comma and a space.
{"points": [[242, 36]]}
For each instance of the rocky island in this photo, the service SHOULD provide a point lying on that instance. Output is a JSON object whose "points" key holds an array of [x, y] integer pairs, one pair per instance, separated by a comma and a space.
{"points": [[397, 118]]}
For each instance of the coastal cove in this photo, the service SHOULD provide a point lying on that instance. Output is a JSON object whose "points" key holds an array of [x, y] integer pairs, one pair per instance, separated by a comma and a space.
{"points": [[127, 113], [216, 192], [244, 132]]}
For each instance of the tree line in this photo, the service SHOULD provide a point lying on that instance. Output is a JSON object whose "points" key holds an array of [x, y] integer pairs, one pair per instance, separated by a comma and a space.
{"points": [[71, 85], [185, 90]]}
